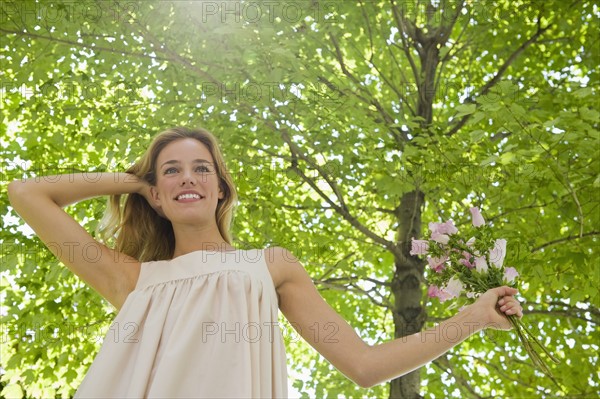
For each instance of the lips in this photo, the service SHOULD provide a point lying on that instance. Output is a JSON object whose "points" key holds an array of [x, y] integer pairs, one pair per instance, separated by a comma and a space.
{"points": [[189, 196]]}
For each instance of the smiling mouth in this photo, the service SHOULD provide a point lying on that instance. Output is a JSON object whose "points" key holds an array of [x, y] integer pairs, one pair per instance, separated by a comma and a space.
{"points": [[189, 196]]}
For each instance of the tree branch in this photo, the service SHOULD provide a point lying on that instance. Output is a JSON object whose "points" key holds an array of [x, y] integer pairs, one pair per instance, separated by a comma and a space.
{"points": [[340, 208], [444, 364], [370, 99], [352, 279], [82, 45], [532, 206], [368, 23], [499, 371], [175, 56], [558, 172], [403, 31], [486, 88], [447, 57], [564, 313], [383, 302]]}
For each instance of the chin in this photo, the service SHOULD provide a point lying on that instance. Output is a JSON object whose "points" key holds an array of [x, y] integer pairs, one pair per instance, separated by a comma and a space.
{"points": [[194, 219]]}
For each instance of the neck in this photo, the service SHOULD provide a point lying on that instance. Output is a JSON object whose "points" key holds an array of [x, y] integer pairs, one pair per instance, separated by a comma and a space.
{"points": [[198, 238]]}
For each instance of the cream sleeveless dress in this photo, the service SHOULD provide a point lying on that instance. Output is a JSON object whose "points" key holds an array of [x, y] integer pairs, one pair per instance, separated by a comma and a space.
{"points": [[202, 325]]}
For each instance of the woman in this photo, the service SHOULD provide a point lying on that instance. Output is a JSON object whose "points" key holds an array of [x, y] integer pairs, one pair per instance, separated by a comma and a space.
{"points": [[198, 318]]}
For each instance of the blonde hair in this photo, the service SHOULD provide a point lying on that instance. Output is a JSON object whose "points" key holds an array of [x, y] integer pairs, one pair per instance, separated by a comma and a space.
{"points": [[136, 228]]}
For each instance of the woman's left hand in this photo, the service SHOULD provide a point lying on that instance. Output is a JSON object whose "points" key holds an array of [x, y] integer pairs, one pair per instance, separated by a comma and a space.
{"points": [[497, 303]]}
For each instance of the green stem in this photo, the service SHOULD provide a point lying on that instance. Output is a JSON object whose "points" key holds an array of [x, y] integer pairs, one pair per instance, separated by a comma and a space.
{"points": [[527, 338], [517, 321]]}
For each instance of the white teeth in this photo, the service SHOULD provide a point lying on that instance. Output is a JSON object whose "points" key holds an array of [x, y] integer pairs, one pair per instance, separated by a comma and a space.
{"points": [[188, 196]]}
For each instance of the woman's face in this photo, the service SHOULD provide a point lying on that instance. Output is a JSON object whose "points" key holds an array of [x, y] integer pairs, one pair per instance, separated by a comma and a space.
{"points": [[187, 185]]}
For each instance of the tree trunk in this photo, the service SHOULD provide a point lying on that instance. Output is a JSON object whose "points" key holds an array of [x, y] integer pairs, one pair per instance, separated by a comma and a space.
{"points": [[409, 314]]}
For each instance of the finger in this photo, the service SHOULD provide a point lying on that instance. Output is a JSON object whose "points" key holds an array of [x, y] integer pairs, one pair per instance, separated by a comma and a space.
{"points": [[513, 312], [512, 308], [518, 310], [505, 291]]}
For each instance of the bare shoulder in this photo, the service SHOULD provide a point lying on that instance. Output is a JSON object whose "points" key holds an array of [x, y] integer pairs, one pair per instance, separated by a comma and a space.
{"points": [[282, 264]]}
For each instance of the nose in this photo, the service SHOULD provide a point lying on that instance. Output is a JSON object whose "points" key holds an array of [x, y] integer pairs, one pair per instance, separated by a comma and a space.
{"points": [[188, 179]]}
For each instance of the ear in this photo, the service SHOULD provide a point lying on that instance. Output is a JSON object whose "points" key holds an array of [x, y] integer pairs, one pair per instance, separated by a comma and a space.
{"points": [[221, 194], [154, 196]]}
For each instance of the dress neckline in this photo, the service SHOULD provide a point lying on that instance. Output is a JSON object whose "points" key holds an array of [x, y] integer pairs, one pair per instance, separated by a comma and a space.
{"points": [[210, 251]]}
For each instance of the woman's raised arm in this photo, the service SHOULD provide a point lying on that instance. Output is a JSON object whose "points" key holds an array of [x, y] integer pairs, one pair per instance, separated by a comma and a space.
{"points": [[39, 201]]}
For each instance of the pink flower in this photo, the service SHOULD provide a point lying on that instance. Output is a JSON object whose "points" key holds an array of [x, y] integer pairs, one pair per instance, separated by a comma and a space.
{"points": [[454, 287], [476, 217], [419, 247], [470, 242], [510, 273], [437, 264], [498, 253], [466, 260], [441, 238], [443, 228], [434, 292], [480, 264]]}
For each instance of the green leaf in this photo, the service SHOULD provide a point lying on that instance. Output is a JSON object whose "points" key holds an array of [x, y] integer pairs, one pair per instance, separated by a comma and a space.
{"points": [[489, 160], [465, 109], [477, 135], [12, 391], [589, 114], [583, 92]]}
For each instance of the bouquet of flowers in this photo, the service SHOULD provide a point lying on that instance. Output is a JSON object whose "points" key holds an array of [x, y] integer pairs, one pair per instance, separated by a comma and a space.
{"points": [[469, 267]]}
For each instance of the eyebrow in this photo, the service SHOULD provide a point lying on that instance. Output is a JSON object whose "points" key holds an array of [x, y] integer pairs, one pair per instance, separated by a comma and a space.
{"points": [[175, 162]]}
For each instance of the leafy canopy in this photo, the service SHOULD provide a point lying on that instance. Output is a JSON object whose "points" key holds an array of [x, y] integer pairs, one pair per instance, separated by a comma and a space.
{"points": [[328, 113]]}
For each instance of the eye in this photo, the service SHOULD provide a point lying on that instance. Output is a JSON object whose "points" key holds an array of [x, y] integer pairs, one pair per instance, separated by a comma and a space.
{"points": [[203, 169], [170, 170]]}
